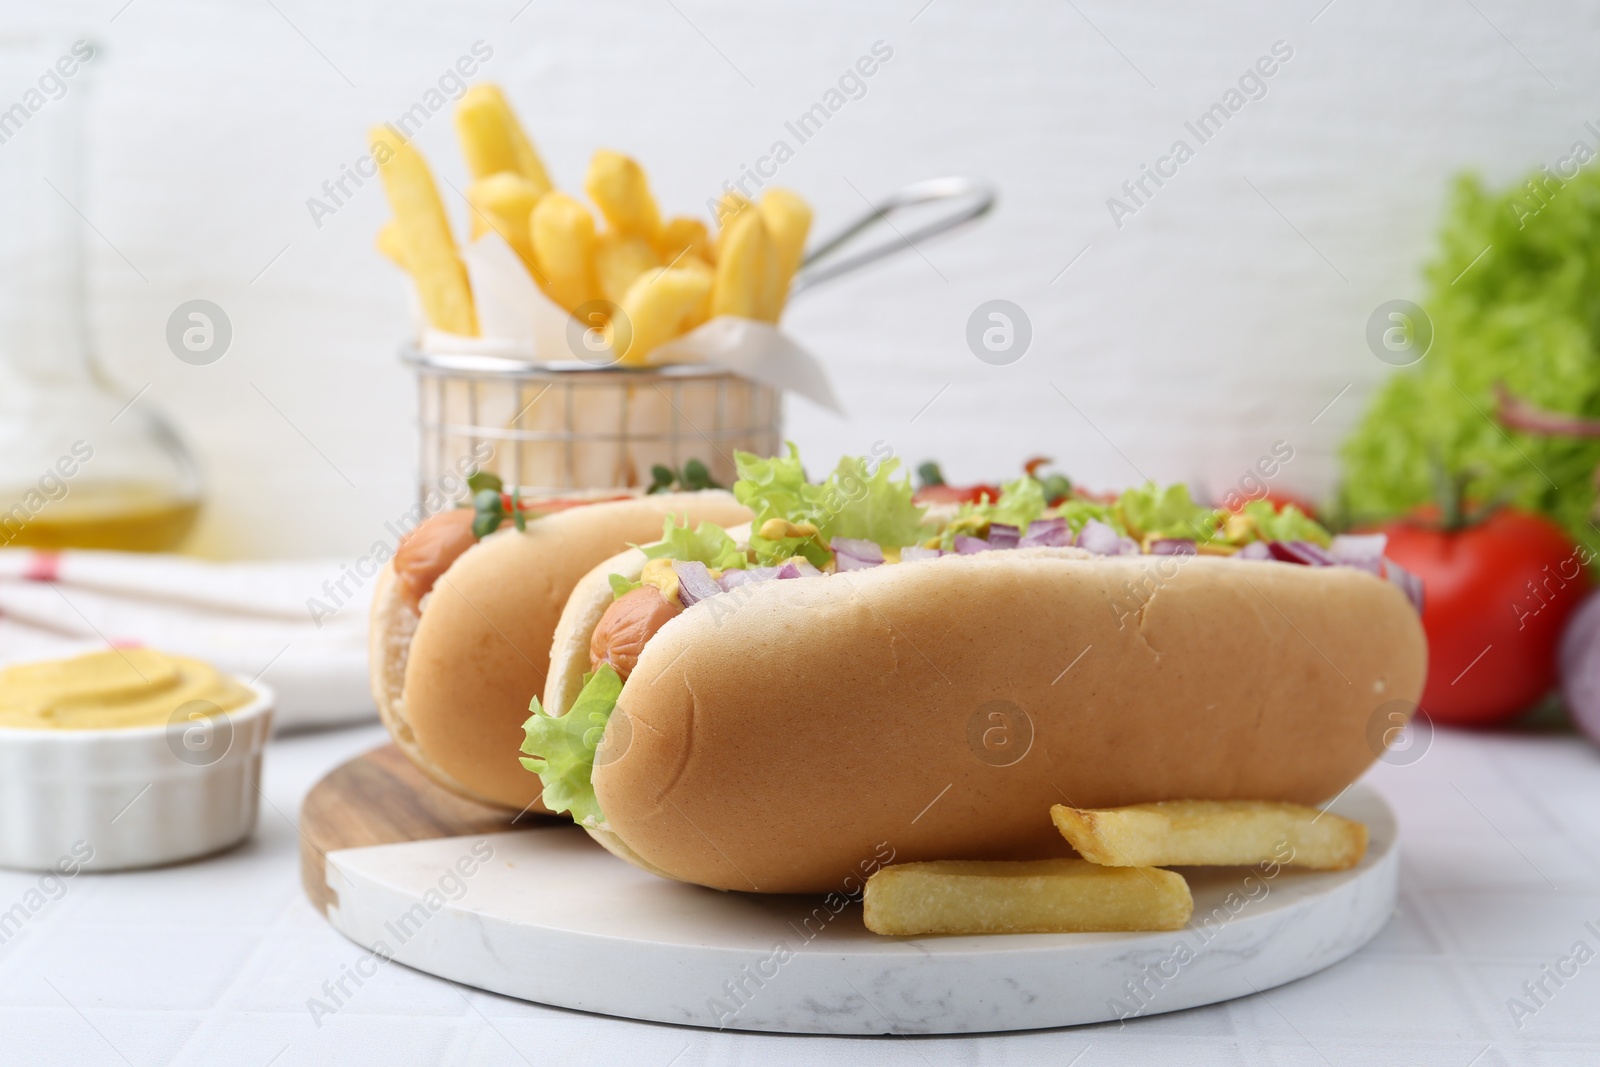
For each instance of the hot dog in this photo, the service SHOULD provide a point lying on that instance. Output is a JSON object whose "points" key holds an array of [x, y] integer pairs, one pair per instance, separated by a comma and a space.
{"points": [[461, 627], [847, 673]]}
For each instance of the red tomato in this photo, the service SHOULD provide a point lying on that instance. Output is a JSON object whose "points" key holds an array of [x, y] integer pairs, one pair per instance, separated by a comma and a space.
{"points": [[955, 494], [1496, 596]]}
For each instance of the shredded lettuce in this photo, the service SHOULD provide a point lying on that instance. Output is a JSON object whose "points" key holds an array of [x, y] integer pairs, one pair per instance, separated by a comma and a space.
{"points": [[851, 502], [872, 506], [1152, 511], [561, 750], [1261, 521], [707, 543], [1020, 503], [1146, 512], [772, 488], [621, 587], [1078, 511], [776, 488]]}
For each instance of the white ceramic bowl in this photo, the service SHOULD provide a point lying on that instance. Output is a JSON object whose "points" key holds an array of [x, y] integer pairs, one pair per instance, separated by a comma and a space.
{"points": [[132, 797]]}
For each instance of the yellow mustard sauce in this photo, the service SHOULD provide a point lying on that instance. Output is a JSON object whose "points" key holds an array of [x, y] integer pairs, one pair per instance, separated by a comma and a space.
{"points": [[659, 573], [113, 689]]}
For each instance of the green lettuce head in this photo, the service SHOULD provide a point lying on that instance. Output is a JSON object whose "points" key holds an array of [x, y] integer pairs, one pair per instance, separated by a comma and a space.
{"points": [[1512, 297]]}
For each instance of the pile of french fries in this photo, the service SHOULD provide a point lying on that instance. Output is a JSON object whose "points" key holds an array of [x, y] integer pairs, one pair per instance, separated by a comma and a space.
{"points": [[642, 279], [1120, 883]]}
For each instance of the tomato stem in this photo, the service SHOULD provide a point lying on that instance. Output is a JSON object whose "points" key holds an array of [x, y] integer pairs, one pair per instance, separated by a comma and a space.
{"points": [[1450, 490]]}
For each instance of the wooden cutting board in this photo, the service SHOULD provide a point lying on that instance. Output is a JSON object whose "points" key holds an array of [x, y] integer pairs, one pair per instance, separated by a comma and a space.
{"points": [[380, 798]]}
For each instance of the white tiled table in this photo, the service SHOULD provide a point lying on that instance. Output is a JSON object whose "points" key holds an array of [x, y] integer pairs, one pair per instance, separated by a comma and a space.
{"points": [[214, 962]]}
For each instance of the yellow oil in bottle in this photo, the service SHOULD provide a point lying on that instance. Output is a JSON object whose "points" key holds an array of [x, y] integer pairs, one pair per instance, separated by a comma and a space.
{"points": [[84, 461], [122, 517]]}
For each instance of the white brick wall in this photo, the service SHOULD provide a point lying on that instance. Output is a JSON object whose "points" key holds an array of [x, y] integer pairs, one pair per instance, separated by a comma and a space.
{"points": [[1203, 330]]}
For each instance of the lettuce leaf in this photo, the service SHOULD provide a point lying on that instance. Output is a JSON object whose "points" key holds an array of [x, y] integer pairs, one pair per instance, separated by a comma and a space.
{"points": [[1021, 502], [1151, 511], [621, 587], [561, 750], [772, 488], [1078, 511], [707, 543], [871, 506], [851, 502], [1290, 524], [776, 488]]}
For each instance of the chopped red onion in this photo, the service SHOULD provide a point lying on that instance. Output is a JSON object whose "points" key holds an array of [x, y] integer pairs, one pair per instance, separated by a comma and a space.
{"points": [[1363, 552], [854, 554], [798, 568], [694, 582], [734, 577], [966, 546], [918, 552], [1302, 552], [1172, 546], [1360, 550], [1046, 533], [1580, 667], [1003, 536], [1409, 583], [1102, 540]]}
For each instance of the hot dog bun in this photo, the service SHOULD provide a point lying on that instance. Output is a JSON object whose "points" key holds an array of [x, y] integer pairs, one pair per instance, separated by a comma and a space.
{"points": [[771, 742], [452, 682]]}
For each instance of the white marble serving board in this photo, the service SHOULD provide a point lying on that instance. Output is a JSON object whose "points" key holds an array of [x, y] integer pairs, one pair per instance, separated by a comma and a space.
{"points": [[546, 915]]}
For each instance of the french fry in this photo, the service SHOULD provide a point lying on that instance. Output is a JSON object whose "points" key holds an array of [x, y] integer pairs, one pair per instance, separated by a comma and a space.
{"points": [[1204, 833], [425, 238], [504, 202], [1031, 896], [661, 304], [563, 238], [729, 207], [388, 242], [698, 265], [746, 267], [788, 220], [618, 186], [493, 140], [618, 262], [682, 236]]}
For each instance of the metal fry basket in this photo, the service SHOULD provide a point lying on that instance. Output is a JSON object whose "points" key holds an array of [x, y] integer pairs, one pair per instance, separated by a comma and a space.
{"points": [[571, 429], [560, 429]]}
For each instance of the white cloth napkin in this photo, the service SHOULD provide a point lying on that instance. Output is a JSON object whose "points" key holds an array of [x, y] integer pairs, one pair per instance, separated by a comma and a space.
{"points": [[249, 619]]}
